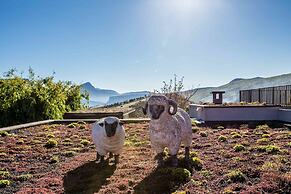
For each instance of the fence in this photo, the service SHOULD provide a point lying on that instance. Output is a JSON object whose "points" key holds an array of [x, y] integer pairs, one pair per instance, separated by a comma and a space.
{"points": [[279, 95]]}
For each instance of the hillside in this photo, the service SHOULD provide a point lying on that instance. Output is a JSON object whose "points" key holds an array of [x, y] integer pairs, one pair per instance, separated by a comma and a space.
{"points": [[106, 96], [232, 88]]}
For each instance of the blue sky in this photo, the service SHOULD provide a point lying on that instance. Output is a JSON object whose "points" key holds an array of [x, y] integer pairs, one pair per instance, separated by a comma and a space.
{"points": [[134, 45]]}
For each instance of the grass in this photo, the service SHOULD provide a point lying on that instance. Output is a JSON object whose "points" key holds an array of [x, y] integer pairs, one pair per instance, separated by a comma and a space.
{"points": [[236, 135], [197, 163], [54, 159], [272, 149], [178, 174], [203, 134], [85, 142], [4, 174], [263, 141], [69, 153]]}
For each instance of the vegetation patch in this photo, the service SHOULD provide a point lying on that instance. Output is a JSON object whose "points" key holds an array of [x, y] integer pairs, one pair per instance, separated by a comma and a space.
{"points": [[4, 183], [236, 135], [85, 142], [197, 163], [178, 174], [236, 176], [263, 141], [203, 134], [72, 125], [272, 149], [239, 147], [222, 138], [23, 177], [195, 129], [4, 133], [4, 174], [54, 159], [51, 143], [69, 153]]}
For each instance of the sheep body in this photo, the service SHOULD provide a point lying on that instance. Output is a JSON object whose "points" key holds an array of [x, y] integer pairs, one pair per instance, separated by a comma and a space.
{"points": [[106, 144], [170, 132]]}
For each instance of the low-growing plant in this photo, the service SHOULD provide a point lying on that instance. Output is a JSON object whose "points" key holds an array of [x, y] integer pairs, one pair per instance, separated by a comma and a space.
{"points": [[20, 141], [67, 140], [72, 125], [4, 183], [82, 126], [4, 133], [179, 174], [69, 153], [270, 166], [67, 143], [85, 142], [236, 135], [50, 135], [272, 149], [195, 129], [222, 138], [263, 141], [266, 135], [220, 127], [239, 147], [54, 159], [24, 177], [76, 149], [4, 174], [236, 176], [193, 154], [197, 163], [203, 134], [263, 127], [51, 143]]}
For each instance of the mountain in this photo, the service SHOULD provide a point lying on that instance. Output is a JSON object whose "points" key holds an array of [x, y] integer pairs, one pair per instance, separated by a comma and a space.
{"points": [[126, 96], [97, 96], [232, 88]]}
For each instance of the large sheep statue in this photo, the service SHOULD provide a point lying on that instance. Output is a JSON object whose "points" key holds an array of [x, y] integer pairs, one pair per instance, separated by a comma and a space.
{"points": [[108, 136], [169, 127]]}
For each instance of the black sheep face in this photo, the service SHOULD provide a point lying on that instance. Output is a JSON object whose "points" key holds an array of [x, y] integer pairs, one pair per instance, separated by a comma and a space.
{"points": [[110, 128]]}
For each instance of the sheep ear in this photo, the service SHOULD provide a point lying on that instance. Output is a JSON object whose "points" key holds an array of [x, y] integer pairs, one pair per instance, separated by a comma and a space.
{"points": [[174, 105], [101, 124], [144, 109]]}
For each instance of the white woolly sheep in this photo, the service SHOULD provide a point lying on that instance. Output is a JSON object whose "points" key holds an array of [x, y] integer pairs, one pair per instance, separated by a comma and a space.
{"points": [[108, 136], [169, 127]]}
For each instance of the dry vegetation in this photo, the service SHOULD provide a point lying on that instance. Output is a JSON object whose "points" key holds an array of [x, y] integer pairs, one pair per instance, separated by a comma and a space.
{"points": [[60, 158]]}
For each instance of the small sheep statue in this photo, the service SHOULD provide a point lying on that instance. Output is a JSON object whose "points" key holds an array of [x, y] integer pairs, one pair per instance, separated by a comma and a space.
{"points": [[108, 136], [169, 127]]}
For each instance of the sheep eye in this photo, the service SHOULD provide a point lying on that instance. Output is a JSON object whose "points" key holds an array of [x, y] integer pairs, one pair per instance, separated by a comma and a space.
{"points": [[101, 124]]}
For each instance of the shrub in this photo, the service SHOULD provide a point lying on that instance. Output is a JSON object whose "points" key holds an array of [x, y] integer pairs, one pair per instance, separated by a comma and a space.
{"points": [[4, 183], [239, 147], [24, 177], [51, 143], [203, 134], [236, 176], [222, 138], [34, 98], [85, 142], [4, 133], [197, 163]]}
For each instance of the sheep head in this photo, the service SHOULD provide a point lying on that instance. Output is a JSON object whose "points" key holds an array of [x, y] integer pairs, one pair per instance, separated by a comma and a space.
{"points": [[110, 124], [158, 105]]}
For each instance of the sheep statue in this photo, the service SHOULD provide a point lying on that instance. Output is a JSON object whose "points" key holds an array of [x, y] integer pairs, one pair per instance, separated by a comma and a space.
{"points": [[169, 127], [108, 136]]}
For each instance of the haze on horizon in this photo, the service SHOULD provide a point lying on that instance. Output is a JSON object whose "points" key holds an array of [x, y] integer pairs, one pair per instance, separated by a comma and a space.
{"points": [[134, 45]]}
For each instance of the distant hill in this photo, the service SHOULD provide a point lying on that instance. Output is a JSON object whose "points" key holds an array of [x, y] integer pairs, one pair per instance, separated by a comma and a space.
{"points": [[100, 97], [126, 96], [232, 88], [97, 96]]}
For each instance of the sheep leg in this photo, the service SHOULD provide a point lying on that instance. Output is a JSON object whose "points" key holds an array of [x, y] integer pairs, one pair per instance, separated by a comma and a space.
{"points": [[116, 159], [98, 156], [174, 160], [110, 155], [187, 154], [160, 159]]}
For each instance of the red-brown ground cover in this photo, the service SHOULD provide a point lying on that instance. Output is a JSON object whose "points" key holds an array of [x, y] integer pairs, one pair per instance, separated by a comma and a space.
{"points": [[228, 160]]}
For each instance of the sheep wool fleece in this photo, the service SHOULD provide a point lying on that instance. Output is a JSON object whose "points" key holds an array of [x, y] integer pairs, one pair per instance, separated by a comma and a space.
{"points": [[106, 144]]}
